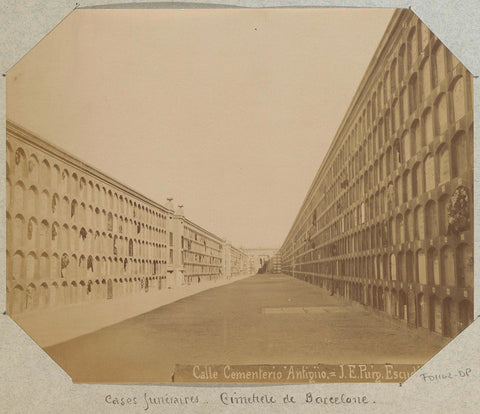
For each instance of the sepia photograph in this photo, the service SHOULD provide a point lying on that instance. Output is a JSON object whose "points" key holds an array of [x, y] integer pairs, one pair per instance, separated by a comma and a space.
{"points": [[240, 195]]}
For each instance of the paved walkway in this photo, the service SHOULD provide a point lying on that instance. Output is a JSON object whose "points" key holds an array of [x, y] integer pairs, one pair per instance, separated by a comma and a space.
{"points": [[53, 326], [265, 319]]}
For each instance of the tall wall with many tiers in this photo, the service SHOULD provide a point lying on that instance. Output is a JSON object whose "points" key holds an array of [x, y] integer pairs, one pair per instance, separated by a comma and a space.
{"points": [[388, 219], [75, 235]]}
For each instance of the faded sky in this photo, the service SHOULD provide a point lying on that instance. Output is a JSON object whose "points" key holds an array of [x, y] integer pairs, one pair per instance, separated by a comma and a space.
{"points": [[228, 111]]}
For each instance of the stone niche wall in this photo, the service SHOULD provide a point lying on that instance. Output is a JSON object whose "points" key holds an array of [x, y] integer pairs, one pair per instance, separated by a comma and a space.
{"points": [[74, 234], [202, 254], [389, 222]]}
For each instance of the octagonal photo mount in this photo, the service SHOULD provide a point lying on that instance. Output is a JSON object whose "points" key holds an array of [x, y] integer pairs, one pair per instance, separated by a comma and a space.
{"points": [[117, 287]]}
